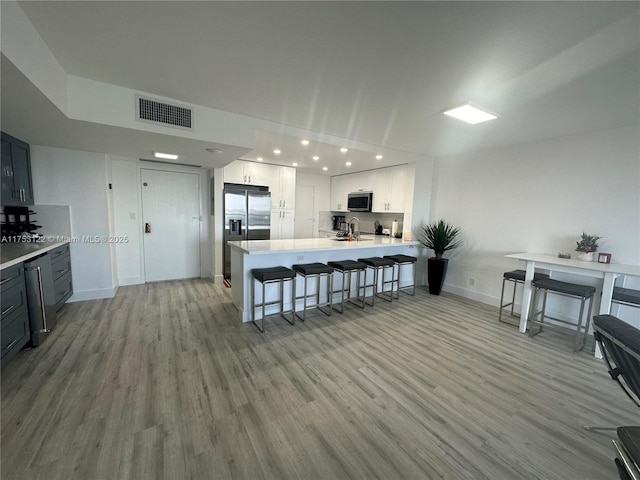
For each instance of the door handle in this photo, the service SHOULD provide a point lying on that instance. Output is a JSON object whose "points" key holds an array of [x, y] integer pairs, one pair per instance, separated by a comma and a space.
{"points": [[147, 228]]}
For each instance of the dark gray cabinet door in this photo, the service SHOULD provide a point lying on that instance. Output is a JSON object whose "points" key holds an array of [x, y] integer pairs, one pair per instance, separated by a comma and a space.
{"points": [[17, 187], [14, 321], [7, 172], [61, 270]]}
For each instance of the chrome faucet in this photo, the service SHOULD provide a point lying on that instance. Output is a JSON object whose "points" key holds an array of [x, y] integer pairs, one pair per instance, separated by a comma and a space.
{"points": [[353, 229]]}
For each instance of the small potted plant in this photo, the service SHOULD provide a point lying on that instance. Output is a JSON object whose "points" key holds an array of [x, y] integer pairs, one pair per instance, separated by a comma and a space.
{"points": [[439, 236], [586, 246]]}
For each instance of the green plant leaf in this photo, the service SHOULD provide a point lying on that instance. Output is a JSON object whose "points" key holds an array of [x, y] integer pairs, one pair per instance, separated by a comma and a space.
{"points": [[439, 236]]}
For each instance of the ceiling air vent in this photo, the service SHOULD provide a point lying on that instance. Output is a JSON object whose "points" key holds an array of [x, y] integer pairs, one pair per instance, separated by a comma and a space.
{"points": [[149, 110]]}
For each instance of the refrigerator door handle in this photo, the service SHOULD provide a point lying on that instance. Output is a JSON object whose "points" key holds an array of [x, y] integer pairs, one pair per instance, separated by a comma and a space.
{"points": [[44, 312]]}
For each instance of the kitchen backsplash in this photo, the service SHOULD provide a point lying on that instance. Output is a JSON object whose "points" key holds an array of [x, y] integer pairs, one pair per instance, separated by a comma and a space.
{"points": [[367, 220]]}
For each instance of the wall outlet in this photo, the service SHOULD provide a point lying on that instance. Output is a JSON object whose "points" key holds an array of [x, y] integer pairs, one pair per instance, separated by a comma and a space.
{"points": [[472, 282]]}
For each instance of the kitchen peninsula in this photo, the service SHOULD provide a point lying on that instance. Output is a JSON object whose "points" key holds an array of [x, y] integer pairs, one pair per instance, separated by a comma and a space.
{"points": [[249, 254]]}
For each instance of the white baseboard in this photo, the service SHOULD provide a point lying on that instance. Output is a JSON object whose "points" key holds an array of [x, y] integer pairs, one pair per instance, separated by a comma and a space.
{"points": [[124, 281], [97, 294], [472, 295], [218, 279]]}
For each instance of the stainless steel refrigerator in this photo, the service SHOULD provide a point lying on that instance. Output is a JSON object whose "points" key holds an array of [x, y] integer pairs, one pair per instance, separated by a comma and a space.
{"points": [[247, 216]]}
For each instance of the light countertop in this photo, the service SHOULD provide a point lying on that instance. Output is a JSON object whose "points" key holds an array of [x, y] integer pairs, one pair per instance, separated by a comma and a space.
{"points": [[14, 253], [305, 244], [554, 260]]}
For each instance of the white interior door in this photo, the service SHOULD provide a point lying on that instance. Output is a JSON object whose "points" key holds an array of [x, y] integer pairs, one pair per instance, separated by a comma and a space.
{"points": [[305, 218], [171, 224]]}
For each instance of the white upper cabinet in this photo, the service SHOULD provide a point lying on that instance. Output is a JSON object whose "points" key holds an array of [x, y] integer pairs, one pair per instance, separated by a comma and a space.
{"points": [[234, 172], [283, 189], [390, 186], [340, 188], [361, 181], [249, 173]]}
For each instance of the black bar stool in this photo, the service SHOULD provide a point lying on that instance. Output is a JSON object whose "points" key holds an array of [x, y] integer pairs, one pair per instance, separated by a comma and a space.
{"points": [[378, 264], [626, 296], [267, 276], [402, 261], [517, 277], [347, 268], [317, 271], [572, 290]]}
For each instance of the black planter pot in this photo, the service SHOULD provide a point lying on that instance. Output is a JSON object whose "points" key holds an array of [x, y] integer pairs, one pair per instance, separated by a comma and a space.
{"points": [[436, 270]]}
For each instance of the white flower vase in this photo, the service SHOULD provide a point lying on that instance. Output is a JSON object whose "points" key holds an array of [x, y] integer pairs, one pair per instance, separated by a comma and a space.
{"points": [[584, 256]]}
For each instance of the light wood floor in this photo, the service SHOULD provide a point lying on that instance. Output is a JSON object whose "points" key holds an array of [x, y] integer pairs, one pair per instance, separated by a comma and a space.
{"points": [[163, 382]]}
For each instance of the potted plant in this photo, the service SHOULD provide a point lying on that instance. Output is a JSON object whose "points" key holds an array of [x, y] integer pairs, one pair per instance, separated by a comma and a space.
{"points": [[586, 246], [439, 236]]}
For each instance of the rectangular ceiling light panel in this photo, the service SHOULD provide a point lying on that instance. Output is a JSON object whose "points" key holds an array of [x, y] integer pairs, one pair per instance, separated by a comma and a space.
{"points": [[153, 111], [470, 114]]}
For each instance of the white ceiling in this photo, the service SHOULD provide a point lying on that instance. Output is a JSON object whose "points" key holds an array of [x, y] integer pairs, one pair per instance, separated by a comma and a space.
{"points": [[378, 73]]}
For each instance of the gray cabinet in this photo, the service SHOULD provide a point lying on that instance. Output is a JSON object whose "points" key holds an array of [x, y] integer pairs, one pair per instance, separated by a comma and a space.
{"points": [[15, 317], [61, 271], [17, 187]]}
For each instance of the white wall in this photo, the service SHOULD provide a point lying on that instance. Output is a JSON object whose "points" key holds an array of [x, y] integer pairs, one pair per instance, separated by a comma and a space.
{"points": [[539, 197], [126, 221], [79, 180]]}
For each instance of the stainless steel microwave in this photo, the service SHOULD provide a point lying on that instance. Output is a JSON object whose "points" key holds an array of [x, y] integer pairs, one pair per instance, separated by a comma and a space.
{"points": [[360, 202]]}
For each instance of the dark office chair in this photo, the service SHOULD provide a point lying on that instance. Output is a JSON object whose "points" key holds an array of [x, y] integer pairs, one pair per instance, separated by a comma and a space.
{"points": [[620, 346]]}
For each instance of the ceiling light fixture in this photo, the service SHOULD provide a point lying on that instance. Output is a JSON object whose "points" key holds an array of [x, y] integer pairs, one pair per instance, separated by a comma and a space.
{"points": [[304, 142], [348, 164], [166, 156], [344, 149], [325, 168], [277, 151], [470, 114], [260, 159], [316, 158], [379, 157], [295, 164]]}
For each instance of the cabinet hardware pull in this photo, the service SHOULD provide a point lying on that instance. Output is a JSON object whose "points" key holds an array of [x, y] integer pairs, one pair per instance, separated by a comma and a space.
{"points": [[61, 271], [7, 279], [11, 344], [284, 203], [44, 312], [7, 310]]}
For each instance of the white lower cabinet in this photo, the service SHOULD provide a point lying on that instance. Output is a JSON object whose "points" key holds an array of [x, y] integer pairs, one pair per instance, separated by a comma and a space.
{"points": [[282, 225]]}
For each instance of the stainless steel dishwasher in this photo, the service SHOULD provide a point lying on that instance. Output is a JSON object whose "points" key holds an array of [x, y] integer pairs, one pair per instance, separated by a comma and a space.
{"points": [[41, 299]]}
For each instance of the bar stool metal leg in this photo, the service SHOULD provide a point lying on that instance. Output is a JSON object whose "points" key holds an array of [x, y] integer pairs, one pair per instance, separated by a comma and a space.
{"points": [[272, 275]]}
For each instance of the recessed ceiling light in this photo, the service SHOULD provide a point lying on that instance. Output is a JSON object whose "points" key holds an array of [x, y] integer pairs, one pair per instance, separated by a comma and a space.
{"points": [[260, 159], [379, 157], [316, 158], [344, 149], [325, 168], [277, 151], [166, 156], [304, 142], [295, 164], [470, 114], [213, 150], [348, 164]]}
